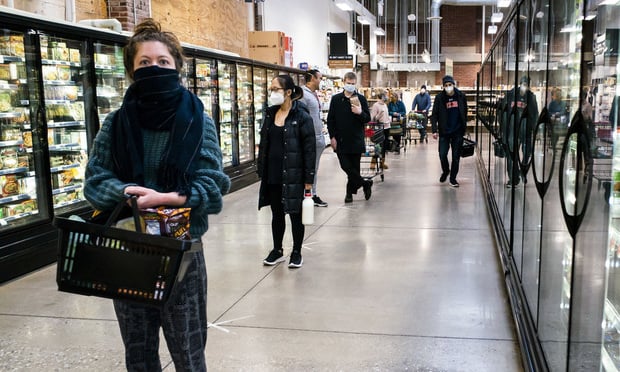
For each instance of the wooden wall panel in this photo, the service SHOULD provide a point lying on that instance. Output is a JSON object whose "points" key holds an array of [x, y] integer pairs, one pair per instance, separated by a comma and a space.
{"points": [[219, 24]]}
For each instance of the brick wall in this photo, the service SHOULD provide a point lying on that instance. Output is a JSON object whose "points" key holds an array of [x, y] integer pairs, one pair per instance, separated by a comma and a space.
{"points": [[129, 12], [459, 26]]}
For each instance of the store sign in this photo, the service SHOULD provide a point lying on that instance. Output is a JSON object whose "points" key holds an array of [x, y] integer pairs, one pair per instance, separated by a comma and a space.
{"points": [[345, 61]]}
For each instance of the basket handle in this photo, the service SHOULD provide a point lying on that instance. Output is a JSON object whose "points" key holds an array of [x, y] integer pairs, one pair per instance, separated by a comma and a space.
{"points": [[134, 209]]}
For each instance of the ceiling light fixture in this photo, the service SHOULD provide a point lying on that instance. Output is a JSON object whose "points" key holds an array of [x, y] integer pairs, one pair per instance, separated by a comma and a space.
{"points": [[379, 31], [344, 6], [497, 17], [503, 3], [363, 20], [492, 29]]}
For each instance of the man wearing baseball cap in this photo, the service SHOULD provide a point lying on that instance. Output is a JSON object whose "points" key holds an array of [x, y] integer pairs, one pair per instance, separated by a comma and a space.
{"points": [[449, 121]]}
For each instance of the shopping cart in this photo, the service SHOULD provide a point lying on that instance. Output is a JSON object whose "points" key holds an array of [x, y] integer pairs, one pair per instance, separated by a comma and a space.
{"points": [[397, 129], [417, 120], [372, 161]]}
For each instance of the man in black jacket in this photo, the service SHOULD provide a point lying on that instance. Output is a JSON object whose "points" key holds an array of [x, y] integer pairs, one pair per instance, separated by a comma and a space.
{"points": [[449, 120], [348, 113]]}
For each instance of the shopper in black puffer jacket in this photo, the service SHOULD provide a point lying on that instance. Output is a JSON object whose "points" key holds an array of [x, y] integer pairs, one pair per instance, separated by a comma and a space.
{"points": [[286, 164]]}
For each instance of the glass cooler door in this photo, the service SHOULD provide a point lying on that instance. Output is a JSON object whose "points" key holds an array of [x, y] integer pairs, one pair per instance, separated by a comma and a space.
{"points": [[260, 102], [607, 146], [20, 199], [245, 112], [110, 76], [206, 83], [64, 76], [226, 85]]}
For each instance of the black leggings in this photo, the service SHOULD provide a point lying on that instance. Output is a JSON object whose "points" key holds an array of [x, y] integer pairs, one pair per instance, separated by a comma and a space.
{"points": [[278, 224]]}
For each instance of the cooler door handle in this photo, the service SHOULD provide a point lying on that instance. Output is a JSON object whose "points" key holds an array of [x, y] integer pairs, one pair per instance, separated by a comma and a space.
{"points": [[575, 173], [543, 153]]}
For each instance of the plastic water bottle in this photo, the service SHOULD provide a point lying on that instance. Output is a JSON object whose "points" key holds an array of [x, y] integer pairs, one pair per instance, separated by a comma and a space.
{"points": [[307, 209]]}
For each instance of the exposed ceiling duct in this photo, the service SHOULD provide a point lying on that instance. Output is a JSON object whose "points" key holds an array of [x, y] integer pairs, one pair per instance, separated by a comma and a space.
{"points": [[436, 17]]}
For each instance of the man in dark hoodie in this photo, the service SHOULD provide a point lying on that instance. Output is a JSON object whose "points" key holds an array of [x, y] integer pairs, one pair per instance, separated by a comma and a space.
{"points": [[449, 121], [519, 117]]}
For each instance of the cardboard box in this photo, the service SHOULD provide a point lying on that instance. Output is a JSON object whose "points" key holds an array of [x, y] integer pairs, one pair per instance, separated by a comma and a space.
{"points": [[269, 55], [266, 39]]}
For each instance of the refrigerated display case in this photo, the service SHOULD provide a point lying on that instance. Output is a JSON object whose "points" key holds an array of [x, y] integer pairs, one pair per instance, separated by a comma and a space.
{"points": [[556, 230], [245, 113], [227, 113]]}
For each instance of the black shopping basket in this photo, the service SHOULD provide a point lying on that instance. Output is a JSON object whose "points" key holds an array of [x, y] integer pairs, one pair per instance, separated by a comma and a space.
{"points": [[103, 261]]}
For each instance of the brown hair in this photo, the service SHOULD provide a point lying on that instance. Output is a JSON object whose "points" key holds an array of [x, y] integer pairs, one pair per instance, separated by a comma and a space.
{"points": [[150, 30]]}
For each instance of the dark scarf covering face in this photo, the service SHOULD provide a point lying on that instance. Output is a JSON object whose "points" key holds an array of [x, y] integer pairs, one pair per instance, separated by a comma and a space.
{"points": [[157, 101]]}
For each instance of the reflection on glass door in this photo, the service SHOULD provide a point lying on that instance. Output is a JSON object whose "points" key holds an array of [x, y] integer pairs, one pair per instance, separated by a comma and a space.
{"points": [[63, 77], [227, 90], [260, 102], [110, 77], [245, 113], [606, 96], [19, 199]]}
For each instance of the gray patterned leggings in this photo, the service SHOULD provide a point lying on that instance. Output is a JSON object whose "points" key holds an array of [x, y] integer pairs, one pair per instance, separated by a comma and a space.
{"points": [[183, 320]]}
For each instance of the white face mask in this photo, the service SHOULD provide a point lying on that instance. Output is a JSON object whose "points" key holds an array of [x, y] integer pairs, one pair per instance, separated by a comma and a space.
{"points": [[276, 98], [349, 88], [523, 89], [422, 91], [449, 90]]}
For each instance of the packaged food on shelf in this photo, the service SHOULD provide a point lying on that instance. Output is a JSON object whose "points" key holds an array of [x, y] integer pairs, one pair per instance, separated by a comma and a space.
{"points": [[70, 92], [12, 45], [9, 133], [27, 138], [60, 52], [50, 72], [9, 185], [64, 73], [74, 55], [28, 185], [5, 72], [16, 209], [63, 179], [8, 158], [23, 160], [5, 102]]}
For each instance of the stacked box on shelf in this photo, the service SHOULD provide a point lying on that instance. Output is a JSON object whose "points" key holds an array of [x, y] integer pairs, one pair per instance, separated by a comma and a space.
{"points": [[267, 46]]}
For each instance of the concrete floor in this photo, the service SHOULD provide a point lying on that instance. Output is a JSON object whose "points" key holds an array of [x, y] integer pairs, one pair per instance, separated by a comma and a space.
{"points": [[407, 281]]}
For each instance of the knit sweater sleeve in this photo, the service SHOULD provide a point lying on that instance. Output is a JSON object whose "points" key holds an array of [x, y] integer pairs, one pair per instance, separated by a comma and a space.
{"points": [[210, 182], [102, 188]]}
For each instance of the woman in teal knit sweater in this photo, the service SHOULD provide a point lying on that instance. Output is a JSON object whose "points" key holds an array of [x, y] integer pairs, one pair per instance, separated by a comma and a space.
{"points": [[161, 147]]}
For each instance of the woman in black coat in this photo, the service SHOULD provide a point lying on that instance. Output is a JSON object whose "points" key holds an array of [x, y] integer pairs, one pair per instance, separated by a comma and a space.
{"points": [[286, 163]]}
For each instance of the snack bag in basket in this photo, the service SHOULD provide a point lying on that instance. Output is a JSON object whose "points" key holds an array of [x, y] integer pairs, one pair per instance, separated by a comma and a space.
{"points": [[171, 222]]}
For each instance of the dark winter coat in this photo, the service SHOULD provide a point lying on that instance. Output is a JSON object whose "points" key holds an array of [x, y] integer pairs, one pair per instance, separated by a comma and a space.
{"points": [[440, 112], [345, 126], [525, 105], [299, 156]]}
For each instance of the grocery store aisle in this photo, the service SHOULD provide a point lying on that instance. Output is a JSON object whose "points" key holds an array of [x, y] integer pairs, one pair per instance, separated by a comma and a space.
{"points": [[407, 281]]}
